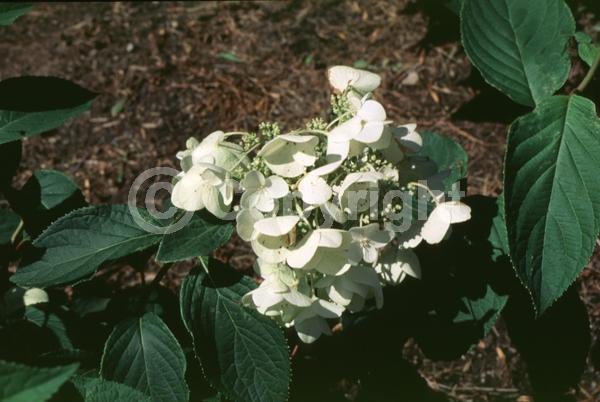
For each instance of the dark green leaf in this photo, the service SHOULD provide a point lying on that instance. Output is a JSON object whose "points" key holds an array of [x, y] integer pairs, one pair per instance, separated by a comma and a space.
{"points": [[244, 354], [468, 279], [9, 221], [19, 383], [47, 196], [552, 194], [93, 389], [10, 158], [51, 321], [143, 354], [198, 238], [29, 105], [76, 245], [9, 12], [449, 157], [520, 47]]}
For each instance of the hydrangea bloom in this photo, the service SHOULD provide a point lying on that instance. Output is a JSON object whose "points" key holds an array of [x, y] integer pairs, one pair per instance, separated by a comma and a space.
{"points": [[313, 206]]}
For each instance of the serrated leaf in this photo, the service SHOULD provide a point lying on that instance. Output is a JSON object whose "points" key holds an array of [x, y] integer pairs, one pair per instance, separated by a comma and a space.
{"points": [[29, 105], [93, 389], [198, 238], [77, 244], [243, 354], [19, 383], [552, 194], [143, 353], [9, 12], [520, 47], [587, 49]]}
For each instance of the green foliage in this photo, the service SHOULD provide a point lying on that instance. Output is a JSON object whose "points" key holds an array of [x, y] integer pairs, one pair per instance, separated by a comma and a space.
{"points": [[449, 157], [76, 245], [553, 194], [92, 389], [519, 47], [9, 12], [51, 321], [142, 353], [47, 196], [243, 354], [19, 383], [588, 50], [198, 238], [29, 105], [9, 221], [468, 279]]}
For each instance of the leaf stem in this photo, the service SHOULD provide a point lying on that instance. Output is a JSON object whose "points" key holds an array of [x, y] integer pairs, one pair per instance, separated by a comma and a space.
{"points": [[590, 74]]}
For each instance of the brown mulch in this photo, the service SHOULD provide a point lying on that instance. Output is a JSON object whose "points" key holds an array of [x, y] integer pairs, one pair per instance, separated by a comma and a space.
{"points": [[187, 69]]}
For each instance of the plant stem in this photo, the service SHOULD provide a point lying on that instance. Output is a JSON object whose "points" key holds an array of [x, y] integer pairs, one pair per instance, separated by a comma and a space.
{"points": [[590, 74], [161, 274]]}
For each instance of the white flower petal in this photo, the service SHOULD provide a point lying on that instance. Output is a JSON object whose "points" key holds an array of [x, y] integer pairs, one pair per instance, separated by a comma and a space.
{"points": [[372, 111], [345, 131], [340, 77], [187, 192], [296, 298], [253, 181], [371, 132], [333, 211], [277, 225], [245, 221], [276, 187], [311, 329], [438, 223], [327, 309], [314, 190], [270, 249], [299, 256], [214, 203]]}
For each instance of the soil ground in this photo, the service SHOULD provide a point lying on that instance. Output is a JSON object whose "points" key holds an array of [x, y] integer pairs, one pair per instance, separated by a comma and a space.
{"points": [[168, 71]]}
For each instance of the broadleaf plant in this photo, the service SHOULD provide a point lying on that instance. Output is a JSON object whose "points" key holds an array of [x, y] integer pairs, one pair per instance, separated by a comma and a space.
{"points": [[333, 254]]}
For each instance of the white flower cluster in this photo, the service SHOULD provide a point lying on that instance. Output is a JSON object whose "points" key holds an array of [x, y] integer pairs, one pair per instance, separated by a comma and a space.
{"points": [[313, 209]]}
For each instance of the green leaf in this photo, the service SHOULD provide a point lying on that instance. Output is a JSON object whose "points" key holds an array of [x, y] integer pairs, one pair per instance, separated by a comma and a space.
{"points": [[77, 244], [19, 383], [243, 354], [520, 47], [9, 221], [51, 321], [143, 353], [498, 237], [448, 155], [99, 390], [552, 194], [47, 196], [198, 238], [588, 51], [466, 280], [230, 57], [9, 12], [29, 105]]}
